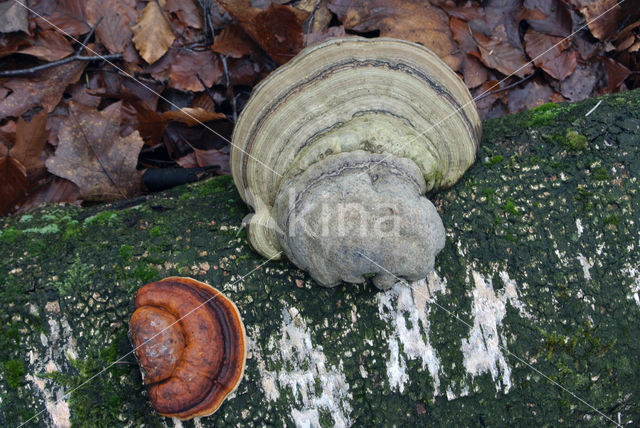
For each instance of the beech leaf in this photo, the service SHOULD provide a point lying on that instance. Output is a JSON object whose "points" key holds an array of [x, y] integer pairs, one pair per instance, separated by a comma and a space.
{"points": [[93, 155], [152, 34]]}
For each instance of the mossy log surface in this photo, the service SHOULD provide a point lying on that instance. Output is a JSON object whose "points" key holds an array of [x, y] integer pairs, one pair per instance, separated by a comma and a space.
{"points": [[538, 286]]}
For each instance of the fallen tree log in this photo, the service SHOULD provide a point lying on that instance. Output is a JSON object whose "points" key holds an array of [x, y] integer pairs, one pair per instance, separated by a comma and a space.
{"points": [[531, 316]]}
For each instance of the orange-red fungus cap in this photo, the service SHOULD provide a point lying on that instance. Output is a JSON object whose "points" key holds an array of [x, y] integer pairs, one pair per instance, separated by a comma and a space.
{"points": [[190, 342]]}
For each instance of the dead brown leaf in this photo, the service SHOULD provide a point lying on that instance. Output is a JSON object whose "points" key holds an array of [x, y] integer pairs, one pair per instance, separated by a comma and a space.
{"points": [[92, 154], [533, 94], [616, 74], [602, 17], [413, 20], [548, 53], [13, 16], [192, 115], [187, 12], [45, 89], [152, 34], [497, 53], [188, 64], [55, 189], [278, 29], [13, 176], [114, 31], [29, 143], [50, 45], [233, 42], [66, 15], [548, 16]]}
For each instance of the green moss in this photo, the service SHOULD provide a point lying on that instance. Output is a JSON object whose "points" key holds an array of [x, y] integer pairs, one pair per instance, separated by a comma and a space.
{"points": [[145, 273], [613, 219], [10, 235], [102, 218], [494, 160], [575, 141], [510, 207], [126, 252], [543, 115], [26, 218], [76, 277], [14, 372], [600, 174], [155, 231], [45, 230]]}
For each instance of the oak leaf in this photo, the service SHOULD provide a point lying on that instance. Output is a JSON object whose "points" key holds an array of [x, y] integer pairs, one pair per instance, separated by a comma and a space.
{"points": [[92, 154], [152, 34], [13, 16]]}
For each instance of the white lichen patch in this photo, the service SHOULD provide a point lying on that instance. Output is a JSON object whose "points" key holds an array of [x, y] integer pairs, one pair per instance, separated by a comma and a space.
{"points": [[483, 349], [634, 274], [586, 266], [60, 347], [405, 308], [293, 364]]}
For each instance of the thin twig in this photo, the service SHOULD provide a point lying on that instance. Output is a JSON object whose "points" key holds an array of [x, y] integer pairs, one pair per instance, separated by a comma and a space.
{"points": [[31, 70], [230, 94], [75, 57], [205, 5], [206, 88], [524, 79]]}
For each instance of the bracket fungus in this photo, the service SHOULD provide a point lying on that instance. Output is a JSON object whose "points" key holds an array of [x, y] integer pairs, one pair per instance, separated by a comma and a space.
{"points": [[336, 150], [190, 342]]}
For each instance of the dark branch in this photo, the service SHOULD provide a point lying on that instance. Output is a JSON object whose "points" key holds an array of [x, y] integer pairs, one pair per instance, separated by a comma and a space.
{"points": [[75, 57], [31, 70]]}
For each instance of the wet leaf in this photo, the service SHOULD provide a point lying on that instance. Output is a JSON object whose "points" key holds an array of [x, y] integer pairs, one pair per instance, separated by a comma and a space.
{"points": [[45, 89], [152, 34], [548, 53], [92, 154], [412, 20], [13, 176], [50, 45], [114, 31]]}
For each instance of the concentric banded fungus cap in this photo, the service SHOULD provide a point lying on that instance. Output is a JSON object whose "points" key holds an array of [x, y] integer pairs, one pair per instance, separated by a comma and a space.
{"points": [[390, 103], [190, 342]]}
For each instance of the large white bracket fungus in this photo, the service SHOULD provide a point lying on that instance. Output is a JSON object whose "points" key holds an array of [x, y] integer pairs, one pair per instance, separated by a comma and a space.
{"points": [[336, 149]]}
